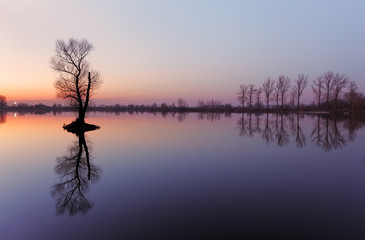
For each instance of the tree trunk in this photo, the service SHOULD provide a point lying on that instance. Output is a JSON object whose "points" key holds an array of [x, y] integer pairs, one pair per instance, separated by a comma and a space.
{"points": [[84, 108], [81, 118]]}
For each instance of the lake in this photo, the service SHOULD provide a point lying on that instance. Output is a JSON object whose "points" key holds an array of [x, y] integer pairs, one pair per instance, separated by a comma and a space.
{"points": [[182, 176]]}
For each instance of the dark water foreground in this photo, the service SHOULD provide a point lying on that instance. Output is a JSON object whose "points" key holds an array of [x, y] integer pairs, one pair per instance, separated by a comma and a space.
{"points": [[183, 176]]}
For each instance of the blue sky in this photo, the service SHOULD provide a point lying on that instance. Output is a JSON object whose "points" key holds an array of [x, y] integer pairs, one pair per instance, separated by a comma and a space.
{"points": [[161, 50]]}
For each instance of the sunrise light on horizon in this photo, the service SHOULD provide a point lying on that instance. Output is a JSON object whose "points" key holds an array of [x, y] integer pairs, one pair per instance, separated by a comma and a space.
{"points": [[159, 51]]}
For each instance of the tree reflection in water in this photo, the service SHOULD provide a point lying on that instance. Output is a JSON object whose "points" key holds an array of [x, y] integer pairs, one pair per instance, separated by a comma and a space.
{"points": [[300, 138], [76, 171], [248, 126], [267, 133], [329, 132], [2, 117], [282, 135]]}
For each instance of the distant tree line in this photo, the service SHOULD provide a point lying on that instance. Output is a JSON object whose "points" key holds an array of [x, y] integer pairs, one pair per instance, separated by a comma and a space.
{"points": [[331, 91], [181, 105]]}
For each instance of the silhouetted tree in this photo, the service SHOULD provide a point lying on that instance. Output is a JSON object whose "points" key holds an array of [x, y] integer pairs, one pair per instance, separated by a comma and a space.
{"points": [[284, 85], [258, 93], [317, 88], [213, 104], [201, 104], [339, 83], [76, 80], [242, 94], [2, 101], [76, 171], [293, 96], [268, 88], [181, 104], [300, 84], [352, 96], [250, 92], [327, 82], [277, 94]]}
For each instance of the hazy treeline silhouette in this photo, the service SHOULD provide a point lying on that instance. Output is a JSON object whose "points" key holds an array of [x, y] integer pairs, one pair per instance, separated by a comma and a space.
{"points": [[329, 132], [332, 91]]}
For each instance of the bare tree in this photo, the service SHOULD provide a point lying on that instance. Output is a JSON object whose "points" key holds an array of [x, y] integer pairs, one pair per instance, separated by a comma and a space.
{"points": [[293, 96], [181, 104], [300, 83], [317, 88], [268, 88], [284, 85], [327, 81], [340, 81], [352, 95], [258, 97], [2, 101], [277, 94], [201, 104], [76, 80], [242, 94], [251, 90], [213, 104]]}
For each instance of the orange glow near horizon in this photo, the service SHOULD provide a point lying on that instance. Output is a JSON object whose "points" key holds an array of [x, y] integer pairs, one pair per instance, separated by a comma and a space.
{"points": [[29, 94]]}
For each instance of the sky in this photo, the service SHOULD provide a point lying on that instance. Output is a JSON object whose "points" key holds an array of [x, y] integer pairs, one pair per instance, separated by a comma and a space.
{"points": [[161, 50]]}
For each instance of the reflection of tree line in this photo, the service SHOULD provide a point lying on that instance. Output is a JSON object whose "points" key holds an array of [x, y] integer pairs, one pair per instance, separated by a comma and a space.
{"points": [[328, 132], [182, 116], [2, 117], [76, 171]]}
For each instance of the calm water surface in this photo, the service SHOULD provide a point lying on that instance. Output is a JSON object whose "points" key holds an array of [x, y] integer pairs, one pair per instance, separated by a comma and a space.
{"points": [[182, 177]]}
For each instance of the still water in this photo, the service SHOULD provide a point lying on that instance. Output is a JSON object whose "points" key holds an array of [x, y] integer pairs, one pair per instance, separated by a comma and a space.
{"points": [[145, 176]]}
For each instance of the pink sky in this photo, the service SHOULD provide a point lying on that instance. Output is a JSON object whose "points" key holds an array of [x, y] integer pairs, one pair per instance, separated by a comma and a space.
{"points": [[159, 51]]}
